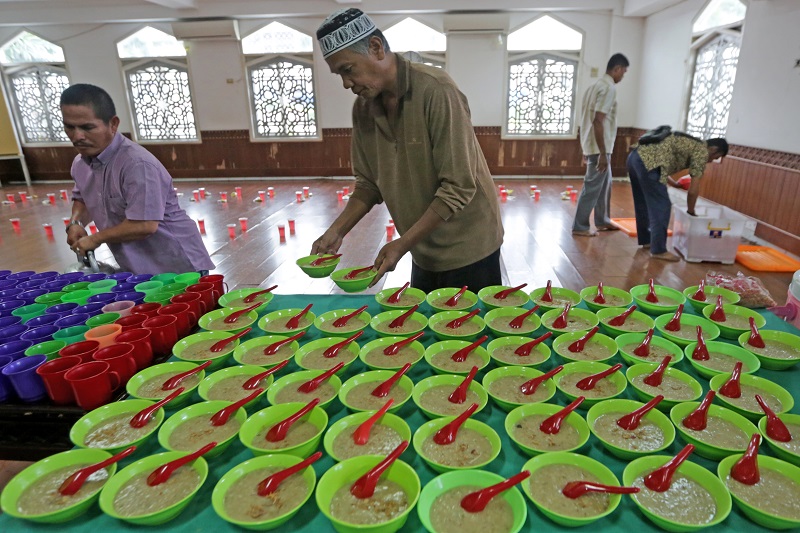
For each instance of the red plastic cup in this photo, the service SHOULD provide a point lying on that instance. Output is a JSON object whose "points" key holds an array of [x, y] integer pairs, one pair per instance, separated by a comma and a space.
{"points": [[23, 196], [149, 309], [501, 188], [92, 383], [206, 292], [271, 192], [569, 188], [291, 226], [163, 333], [15, 224], [52, 374], [196, 194], [48, 230], [201, 223], [262, 195], [573, 195], [120, 357], [389, 231], [282, 232], [218, 282], [66, 221], [186, 319], [223, 196], [243, 224], [503, 195], [533, 189], [232, 231], [345, 190], [10, 197], [132, 321], [202, 192], [52, 197], [193, 299], [339, 195], [238, 192], [306, 192], [82, 350], [64, 195], [140, 339], [536, 195], [299, 196], [92, 228]]}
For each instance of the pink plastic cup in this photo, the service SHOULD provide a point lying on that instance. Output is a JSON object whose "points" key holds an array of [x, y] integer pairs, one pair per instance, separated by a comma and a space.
{"points": [[202, 192], [223, 196], [345, 190], [282, 232], [66, 221], [262, 195], [503, 195], [15, 224], [10, 197], [339, 195], [243, 224], [64, 195], [48, 230], [537, 194], [23, 196], [299, 196], [291, 226], [271, 192], [232, 231], [196, 194], [389, 231], [573, 195], [238, 192], [52, 197], [306, 192]]}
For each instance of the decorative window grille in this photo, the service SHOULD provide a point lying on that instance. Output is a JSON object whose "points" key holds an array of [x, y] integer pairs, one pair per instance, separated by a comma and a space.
{"points": [[36, 76], [417, 42]]}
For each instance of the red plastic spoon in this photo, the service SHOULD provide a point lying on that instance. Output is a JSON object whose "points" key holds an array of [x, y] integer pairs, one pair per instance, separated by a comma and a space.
{"points": [[660, 479], [718, 314], [674, 323], [700, 295], [589, 382], [576, 489], [619, 320], [175, 380], [475, 502], [552, 424], [461, 355], [755, 339], [342, 320], [745, 470], [654, 379], [548, 292], [447, 434], [700, 352], [453, 300], [332, 351], [600, 298], [505, 293], [631, 421], [294, 322], [321, 260], [395, 296], [364, 487], [392, 349], [580, 344], [776, 429], [233, 317], [219, 346], [141, 418], [458, 322], [530, 386], [361, 434], [250, 298], [651, 294], [643, 350], [270, 484], [73, 483], [525, 349], [254, 382], [400, 320], [220, 418], [732, 388], [517, 321], [355, 272], [278, 432], [273, 348], [459, 395], [561, 320], [382, 390], [163, 472], [312, 384], [698, 419]]}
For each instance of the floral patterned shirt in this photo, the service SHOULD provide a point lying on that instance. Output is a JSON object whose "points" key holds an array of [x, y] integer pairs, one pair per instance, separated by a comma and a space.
{"points": [[675, 153]]}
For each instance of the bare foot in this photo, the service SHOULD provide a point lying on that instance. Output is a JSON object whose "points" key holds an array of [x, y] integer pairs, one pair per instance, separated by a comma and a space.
{"points": [[607, 228], [587, 233], [666, 256]]}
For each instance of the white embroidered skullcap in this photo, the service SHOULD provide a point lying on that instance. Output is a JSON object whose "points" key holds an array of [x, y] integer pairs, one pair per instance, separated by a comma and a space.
{"points": [[343, 28]]}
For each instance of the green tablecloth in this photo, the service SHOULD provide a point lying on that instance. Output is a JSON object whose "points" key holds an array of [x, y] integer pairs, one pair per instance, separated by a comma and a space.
{"points": [[200, 516]]}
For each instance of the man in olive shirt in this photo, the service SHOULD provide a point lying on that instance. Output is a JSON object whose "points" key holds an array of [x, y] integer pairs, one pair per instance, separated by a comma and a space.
{"points": [[413, 147]]}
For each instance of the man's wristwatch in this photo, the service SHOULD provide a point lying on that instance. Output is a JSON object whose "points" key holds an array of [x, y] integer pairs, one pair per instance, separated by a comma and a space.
{"points": [[74, 223]]}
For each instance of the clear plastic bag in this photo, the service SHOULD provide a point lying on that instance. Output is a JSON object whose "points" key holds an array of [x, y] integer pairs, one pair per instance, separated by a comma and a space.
{"points": [[753, 293]]}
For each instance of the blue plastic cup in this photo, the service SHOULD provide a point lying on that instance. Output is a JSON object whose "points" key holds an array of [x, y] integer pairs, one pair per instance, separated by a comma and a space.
{"points": [[10, 294], [91, 309], [55, 285], [139, 278], [8, 284], [15, 349], [12, 333], [134, 296], [42, 320], [7, 306], [6, 390], [23, 377], [11, 320], [103, 297], [40, 334], [48, 275], [30, 284], [123, 286], [21, 276], [31, 295], [61, 309], [72, 277], [95, 276], [4, 273], [76, 319], [120, 276]]}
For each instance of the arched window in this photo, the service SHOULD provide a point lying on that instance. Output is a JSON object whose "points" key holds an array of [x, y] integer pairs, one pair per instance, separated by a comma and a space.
{"points": [[281, 82], [417, 42], [716, 42], [37, 75], [157, 78], [543, 59]]}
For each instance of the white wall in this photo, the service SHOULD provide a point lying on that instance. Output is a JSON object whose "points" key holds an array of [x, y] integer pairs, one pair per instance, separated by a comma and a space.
{"points": [[477, 65]]}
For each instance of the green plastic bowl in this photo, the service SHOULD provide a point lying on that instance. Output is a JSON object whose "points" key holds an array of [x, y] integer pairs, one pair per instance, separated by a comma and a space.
{"points": [[690, 322], [556, 292], [347, 472], [193, 411], [297, 379], [270, 416], [606, 314], [274, 323], [376, 377], [715, 453], [352, 285], [549, 316], [592, 367], [760, 517], [654, 416], [562, 342], [466, 301], [218, 360], [592, 466], [485, 294], [728, 332], [324, 323], [775, 446], [356, 419], [230, 298], [348, 353], [242, 370], [773, 363], [783, 395], [148, 464], [627, 339], [639, 294], [383, 296], [710, 482], [322, 271], [47, 348], [385, 318], [438, 324], [539, 354], [81, 429], [752, 362], [573, 419], [263, 342], [19, 483], [239, 471], [525, 372], [478, 478], [141, 377], [431, 427], [391, 363], [588, 294], [242, 322], [441, 346], [451, 380], [665, 404], [530, 324], [728, 296]]}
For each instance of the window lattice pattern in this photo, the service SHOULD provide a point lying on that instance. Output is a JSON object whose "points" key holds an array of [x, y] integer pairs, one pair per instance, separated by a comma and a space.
{"points": [[541, 96], [712, 87], [283, 99], [37, 92], [162, 104]]}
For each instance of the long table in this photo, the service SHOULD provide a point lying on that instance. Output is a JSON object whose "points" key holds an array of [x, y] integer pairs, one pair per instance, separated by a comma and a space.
{"points": [[200, 516]]}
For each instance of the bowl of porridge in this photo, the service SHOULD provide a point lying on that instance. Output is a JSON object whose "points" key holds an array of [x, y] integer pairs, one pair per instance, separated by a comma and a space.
{"points": [[251, 352], [311, 356], [408, 299], [598, 348], [517, 298], [676, 386], [302, 438], [236, 298], [614, 298], [711, 291], [322, 271], [147, 384], [274, 323], [722, 357], [503, 351], [410, 326], [228, 384], [439, 356], [636, 322], [215, 320], [788, 451], [197, 348], [108, 427], [470, 329], [654, 433], [384, 436], [668, 299], [776, 397], [687, 334], [190, 428], [578, 319], [561, 297], [605, 389], [503, 385], [475, 446], [356, 392], [659, 349], [737, 320], [359, 282], [324, 323], [522, 426], [726, 432], [781, 350], [499, 320], [285, 389], [437, 299], [372, 354], [432, 394]]}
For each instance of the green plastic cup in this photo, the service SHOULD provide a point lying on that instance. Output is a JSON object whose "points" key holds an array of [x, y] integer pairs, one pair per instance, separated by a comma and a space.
{"points": [[71, 335], [78, 296], [77, 286], [104, 285], [148, 287], [162, 298], [48, 348], [50, 299], [100, 320], [165, 278], [187, 278], [174, 288], [26, 312]]}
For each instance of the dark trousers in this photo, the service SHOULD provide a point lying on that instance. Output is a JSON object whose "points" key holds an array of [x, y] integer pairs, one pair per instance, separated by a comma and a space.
{"points": [[483, 273], [651, 204]]}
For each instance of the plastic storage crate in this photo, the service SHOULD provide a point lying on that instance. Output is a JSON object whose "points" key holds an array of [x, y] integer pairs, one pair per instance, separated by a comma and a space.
{"points": [[713, 235]]}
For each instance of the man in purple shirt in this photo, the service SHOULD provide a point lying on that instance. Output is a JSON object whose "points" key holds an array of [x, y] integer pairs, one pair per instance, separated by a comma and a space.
{"points": [[126, 191]]}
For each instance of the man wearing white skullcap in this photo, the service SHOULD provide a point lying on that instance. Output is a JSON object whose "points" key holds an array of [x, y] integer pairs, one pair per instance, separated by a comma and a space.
{"points": [[415, 148]]}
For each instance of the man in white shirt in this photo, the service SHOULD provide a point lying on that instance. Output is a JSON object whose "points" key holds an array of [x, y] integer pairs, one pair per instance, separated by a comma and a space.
{"points": [[597, 135]]}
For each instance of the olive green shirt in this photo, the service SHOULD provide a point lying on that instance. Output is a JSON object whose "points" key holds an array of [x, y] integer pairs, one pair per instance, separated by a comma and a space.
{"points": [[675, 153], [428, 156]]}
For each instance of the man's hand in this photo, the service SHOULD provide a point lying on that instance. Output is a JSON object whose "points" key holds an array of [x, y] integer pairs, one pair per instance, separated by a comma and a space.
{"points": [[74, 234], [328, 243], [388, 258], [85, 244], [602, 163]]}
